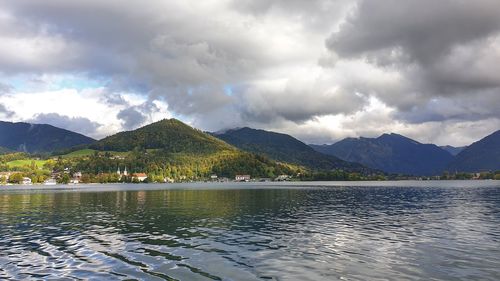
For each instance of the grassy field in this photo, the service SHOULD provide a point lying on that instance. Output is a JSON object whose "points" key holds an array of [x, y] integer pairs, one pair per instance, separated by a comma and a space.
{"points": [[25, 162], [79, 153], [89, 152]]}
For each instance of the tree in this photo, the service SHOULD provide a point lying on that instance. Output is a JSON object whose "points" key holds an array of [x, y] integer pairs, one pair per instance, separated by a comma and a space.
{"points": [[64, 179], [16, 178]]}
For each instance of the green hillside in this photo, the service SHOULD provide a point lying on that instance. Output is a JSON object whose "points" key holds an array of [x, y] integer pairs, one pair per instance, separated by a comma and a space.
{"points": [[282, 147], [170, 148], [169, 135]]}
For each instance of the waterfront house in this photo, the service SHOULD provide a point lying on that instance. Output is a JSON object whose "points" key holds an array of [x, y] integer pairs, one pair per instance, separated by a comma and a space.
{"points": [[139, 176], [26, 181], [242, 178], [283, 178]]}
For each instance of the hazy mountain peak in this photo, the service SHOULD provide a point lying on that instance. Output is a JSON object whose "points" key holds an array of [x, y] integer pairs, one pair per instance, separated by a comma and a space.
{"points": [[392, 153], [39, 138], [482, 155]]}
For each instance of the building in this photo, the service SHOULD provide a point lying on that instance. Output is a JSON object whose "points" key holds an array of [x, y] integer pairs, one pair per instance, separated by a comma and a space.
{"points": [[119, 172], [242, 178], [139, 176], [283, 178], [26, 181]]}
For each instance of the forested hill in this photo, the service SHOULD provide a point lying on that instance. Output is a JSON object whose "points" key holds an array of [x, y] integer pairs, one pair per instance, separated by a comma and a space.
{"points": [[283, 147], [170, 148], [38, 138], [169, 135]]}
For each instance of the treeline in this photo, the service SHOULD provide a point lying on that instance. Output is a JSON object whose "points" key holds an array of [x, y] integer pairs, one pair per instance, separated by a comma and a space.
{"points": [[468, 176], [339, 175]]}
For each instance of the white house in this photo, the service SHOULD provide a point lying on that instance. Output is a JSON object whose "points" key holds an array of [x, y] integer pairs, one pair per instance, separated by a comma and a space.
{"points": [[26, 181], [242, 178], [140, 176]]}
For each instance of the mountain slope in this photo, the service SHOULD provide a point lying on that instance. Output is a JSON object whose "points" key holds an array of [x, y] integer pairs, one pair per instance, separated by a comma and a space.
{"points": [[453, 150], [483, 155], [391, 153], [38, 138], [282, 147]]}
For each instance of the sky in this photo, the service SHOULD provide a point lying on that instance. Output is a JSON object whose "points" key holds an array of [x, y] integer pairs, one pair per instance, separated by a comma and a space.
{"points": [[320, 70]]}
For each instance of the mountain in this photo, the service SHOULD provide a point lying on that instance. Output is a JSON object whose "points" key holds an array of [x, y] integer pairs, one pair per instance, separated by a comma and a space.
{"points": [[38, 138], [483, 155], [285, 148], [170, 135], [453, 150], [173, 149], [391, 153]]}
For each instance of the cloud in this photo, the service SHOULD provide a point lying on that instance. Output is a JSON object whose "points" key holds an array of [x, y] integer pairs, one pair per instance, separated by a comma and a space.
{"points": [[445, 52], [5, 112], [76, 124], [131, 118], [275, 64], [5, 88]]}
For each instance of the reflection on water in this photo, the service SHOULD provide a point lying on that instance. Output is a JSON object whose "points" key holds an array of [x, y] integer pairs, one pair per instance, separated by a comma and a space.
{"points": [[322, 233]]}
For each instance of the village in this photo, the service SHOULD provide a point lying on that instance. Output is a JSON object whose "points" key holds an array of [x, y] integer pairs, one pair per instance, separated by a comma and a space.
{"points": [[66, 176]]}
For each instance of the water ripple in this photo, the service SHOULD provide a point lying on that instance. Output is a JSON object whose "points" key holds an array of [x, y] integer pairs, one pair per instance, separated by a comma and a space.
{"points": [[308, 233]]}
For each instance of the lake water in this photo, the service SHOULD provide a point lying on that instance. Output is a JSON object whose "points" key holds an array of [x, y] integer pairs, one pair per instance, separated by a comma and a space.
{"points": [[298, 231]]}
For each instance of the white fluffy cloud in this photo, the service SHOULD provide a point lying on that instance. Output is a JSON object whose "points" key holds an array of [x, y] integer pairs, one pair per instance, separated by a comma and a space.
{"points": [[321, 69]]}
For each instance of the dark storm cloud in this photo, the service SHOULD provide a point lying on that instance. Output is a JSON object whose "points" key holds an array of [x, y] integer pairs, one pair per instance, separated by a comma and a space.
{"points": [[446, 53], [131, 117], [76, 124], [135, 116], [164, 49], [423, 29], [255, 62]]}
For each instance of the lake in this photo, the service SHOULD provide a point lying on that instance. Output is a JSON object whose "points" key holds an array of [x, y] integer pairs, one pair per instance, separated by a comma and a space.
{"points": [[408, 230]]}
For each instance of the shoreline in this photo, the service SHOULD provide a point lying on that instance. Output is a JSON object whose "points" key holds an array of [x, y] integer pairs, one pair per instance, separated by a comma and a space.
{"points": [[242, 185]]}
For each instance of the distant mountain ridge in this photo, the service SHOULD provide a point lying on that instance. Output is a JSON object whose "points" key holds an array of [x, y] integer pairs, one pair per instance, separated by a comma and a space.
{"points": [[483, 155], [453, 150], [38, 138], [283, 147], [391, 153]]}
